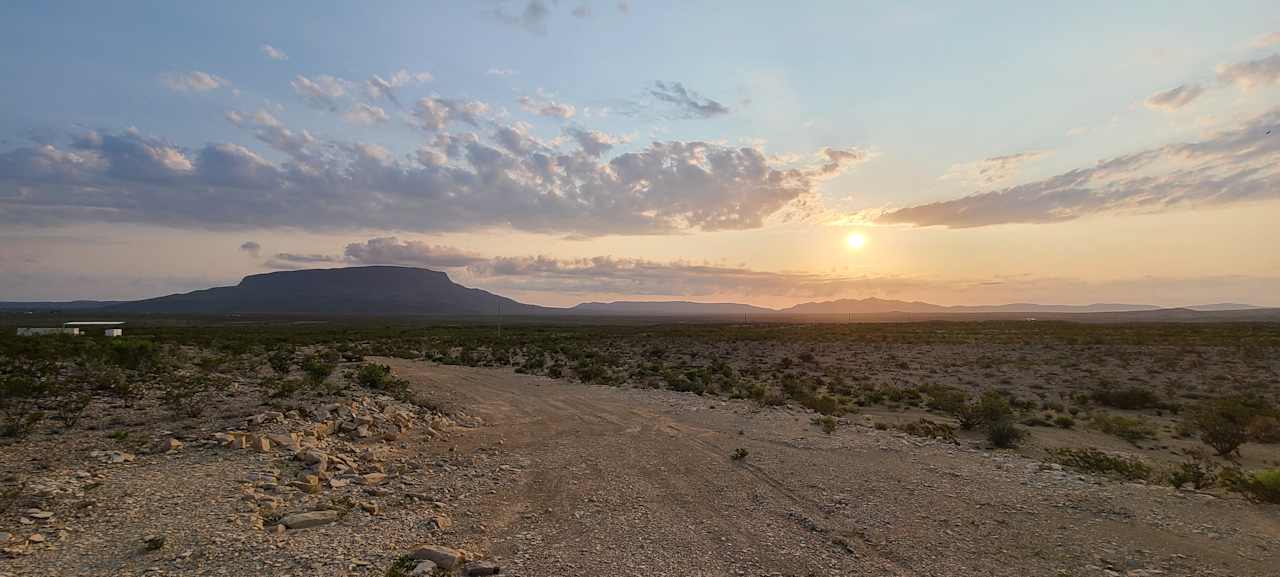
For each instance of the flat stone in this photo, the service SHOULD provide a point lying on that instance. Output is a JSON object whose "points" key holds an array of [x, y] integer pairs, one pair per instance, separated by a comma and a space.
{"points": [[445, 557], [309, 519]]}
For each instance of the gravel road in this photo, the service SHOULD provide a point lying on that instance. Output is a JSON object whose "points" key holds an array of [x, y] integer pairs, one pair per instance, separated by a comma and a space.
{"points": [[616, 481]]}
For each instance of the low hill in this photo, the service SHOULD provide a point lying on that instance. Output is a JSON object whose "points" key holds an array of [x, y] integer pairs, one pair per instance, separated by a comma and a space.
{"points": [[369, 290], [666, 308]]}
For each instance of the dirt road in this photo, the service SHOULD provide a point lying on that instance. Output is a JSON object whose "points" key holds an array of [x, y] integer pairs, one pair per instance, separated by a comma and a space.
{"points": [[639, 482]]}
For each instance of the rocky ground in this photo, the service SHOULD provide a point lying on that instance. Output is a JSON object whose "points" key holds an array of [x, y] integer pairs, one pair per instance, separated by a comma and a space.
{"points": [[539, 477]]}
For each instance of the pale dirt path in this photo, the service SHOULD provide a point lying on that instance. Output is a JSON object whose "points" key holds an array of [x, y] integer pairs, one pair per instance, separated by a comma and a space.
{"points": [[636, 482]]}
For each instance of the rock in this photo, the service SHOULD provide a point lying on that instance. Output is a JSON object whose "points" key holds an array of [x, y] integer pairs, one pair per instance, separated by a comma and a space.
{"points": [[373, 479], [481, 569], [370, 507], [439, 522], [290, 441], [260, 443], [445, 557], [5, 537], [309, 519], [423, 568], [309, 484], [168, 446], [153, 542], [36, 538], [42, 515]]}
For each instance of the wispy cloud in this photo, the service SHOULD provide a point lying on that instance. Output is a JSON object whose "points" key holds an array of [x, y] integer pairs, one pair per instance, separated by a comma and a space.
{"points": [[1174, 98], [194, 81], [991, 171], [1234, 166], [273, 53], [1251, 73], [544, 105], [690, 104], [322, 91]]}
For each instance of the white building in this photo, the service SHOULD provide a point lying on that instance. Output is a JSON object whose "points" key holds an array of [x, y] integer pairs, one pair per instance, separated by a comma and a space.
{"points": [[37, 331]]}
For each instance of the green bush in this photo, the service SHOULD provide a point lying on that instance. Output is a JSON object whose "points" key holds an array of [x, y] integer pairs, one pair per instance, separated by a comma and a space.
{"points": [[827, 423], [1223, 424], [1098, 462], [1064, 421], [1199, 475], [1128, 398], [187, 394], [930, 429], [1132, 429], [373, 376], [739, 454], [1003, 433], [281, 360], [318, 367], [1261, 486]]}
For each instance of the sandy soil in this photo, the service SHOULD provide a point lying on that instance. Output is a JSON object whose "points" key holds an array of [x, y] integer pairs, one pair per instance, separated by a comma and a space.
{"points": [[621, 481]]}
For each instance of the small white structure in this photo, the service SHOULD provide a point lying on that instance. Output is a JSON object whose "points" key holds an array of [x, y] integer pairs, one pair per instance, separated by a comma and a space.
{"points": [[37, 331], [109, 328]]}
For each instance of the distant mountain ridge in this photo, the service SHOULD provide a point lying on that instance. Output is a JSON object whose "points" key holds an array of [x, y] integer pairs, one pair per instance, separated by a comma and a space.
{"points": [[369, 290], [875, 305], [396, 290], [666, 308]]}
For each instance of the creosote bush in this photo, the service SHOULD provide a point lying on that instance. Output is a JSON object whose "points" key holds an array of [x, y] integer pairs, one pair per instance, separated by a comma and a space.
{"points": [[1094, 461]]}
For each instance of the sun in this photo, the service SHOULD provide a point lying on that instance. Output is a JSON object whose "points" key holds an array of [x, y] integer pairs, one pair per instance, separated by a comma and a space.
{"points": [[855, 240]]}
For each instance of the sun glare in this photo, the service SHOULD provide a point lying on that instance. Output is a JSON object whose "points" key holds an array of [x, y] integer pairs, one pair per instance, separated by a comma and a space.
{"points": [[855, 240]]}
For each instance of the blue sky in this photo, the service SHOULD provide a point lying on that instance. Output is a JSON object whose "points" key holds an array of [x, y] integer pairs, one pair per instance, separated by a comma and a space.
{"points": [[869, 118]]}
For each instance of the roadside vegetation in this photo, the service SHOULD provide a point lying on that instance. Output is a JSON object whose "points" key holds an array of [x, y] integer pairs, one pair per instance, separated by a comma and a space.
{"points": [[1004, 384]]}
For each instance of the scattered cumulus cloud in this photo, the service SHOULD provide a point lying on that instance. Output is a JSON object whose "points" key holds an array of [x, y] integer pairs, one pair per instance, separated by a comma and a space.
{"points": [[499, 176], [379, 88], [322, 91], [543, 105], [1233, 166], [1252, 73], [273, 53], [365, 114], [391, 250], [690, 104], [194, 81], [593, 142], [1174, 98]]}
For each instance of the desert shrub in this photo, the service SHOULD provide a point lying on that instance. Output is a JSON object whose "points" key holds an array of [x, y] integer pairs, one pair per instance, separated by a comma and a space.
{"points": [[1099, 462], [280, 387], [1037, 421], [1264, 429], [1128, 398], [1003, 433], [71, 403], [22, 389], [373, 376], [318, 367], [281, 360], [827, 423], [556, 370], [739, 454], [1261, 486], [1199, 475], [929, 429], [403, 566], [1132, 429], [1064, 421], [187, 393], [1223, 424], [133, 353], [822, 403]]}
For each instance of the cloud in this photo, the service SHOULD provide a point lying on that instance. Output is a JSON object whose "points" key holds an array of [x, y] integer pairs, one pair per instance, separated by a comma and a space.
{"points": [[251, 247], [1174, 98], [543, 106], [322, 92], [1266, 40], [365, 114], [194, 81], [610, 275], [273, 53], [1252, 73], [501, 72], [582, 10], [502, 178], [991, 171], [378, 87], [291, 261], [690, 104], [434, 114], [1239, 165], [593, 142], [390, 250]]}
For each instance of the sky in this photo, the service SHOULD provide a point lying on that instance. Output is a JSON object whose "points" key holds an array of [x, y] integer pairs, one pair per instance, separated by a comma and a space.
{"points": [[566, 151]]}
